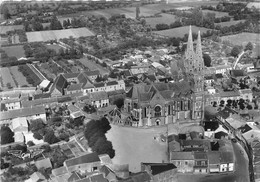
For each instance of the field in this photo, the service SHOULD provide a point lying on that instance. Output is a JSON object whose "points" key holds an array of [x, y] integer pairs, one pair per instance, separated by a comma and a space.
{"points": [[6, 78], [57, 34], [16, 51], [147, 10], [4, 29], [217, 13], [242, 38], [166, 18], [180, 32], [18, 76], [229, 23], [93, 66], [56, 47]]}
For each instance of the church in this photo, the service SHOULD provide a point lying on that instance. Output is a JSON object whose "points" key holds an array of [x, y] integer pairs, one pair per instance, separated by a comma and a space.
{"points": [[163, 103]]}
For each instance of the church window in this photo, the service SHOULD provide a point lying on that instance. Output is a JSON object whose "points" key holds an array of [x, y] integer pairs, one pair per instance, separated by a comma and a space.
{"points": [[145, 112], [169, 109], [157, 111]]}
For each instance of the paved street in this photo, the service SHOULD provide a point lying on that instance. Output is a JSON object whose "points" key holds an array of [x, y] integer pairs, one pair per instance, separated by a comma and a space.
{"points": [[240, 175]]}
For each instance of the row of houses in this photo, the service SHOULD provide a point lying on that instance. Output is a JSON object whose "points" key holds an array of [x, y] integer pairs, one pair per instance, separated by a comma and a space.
{"points": [[203, 162]]}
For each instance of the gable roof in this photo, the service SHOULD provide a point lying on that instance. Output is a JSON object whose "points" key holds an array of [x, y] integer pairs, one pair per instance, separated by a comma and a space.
{"points": [[158, 168], [83, 79], [44, 163], [94, 96], [226, 157], [214, 157], [112, 83], [92, 73], [98, 178], [24, 112], [200, 155], [182, 156], [100, 84], [70, 75], [138, 177], [60, 83], [59, 171], [74, 87], [87, 158]]}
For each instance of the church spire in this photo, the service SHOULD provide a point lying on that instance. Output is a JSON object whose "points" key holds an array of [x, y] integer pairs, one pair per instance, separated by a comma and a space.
{"points": [[190, 49], [198, 46]]}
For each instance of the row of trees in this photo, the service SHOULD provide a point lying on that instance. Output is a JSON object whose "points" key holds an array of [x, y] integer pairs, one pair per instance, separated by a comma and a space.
{"points": [[95, 134]]}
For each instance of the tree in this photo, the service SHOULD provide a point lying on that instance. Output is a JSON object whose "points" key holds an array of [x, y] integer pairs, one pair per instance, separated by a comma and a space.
{"points": [[5, 12], [207, 60], [37, 136], [36, 125], [249, 46], [102, 146], [7, 136], [64, 136], [119, 102], [30, 143], [235, 51], [50, 138], [210, 112]]}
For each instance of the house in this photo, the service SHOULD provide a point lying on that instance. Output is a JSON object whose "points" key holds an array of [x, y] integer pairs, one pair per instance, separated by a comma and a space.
{"points": [[195, 145], [184, 161], [229, 95], [246, 94], [59, 171], [85, 163], [226, 161], [92, 75], [99, 99], [44, 163], [120, 170], [11, 104], [201, 162], [237, 74], [99, 87], [71, 77], [58, 86], [45, 84], [160, 172], [75, 112], [88, 88], [214, 161], [208, 79], [36, 177], [108, 173], [137, 70], [74, 88], [20, 125], [222, 69], [30, 113], [137, 177]]}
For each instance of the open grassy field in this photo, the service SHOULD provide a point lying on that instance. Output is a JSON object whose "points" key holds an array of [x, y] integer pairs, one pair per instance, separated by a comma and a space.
{"points": [[18, 76], [16, 51], [165, 18], [242, 38], [180, 32], [4, 29], [6, 77], [229, 23], [217, 13], [93, 66], [57, 34]]}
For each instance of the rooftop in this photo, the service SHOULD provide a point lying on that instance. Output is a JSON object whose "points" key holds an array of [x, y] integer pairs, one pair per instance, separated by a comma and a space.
{"points": [[158, 168], [87, 158], [182, 156]]}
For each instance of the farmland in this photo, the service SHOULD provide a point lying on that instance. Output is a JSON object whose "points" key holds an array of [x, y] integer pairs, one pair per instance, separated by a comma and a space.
{"points": [[180, 32], [57, 34], [16, 51], [165, 18], [217, 13], [4, 29], [6, 78], [242, 38], [18, 76], [93, 66], [229, 23]]}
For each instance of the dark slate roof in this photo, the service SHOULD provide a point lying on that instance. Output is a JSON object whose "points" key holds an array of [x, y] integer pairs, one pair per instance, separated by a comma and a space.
{"points": [[226, 157], [127, 73], [71, 75], [200, 155], [60, 83], [42, 96], [219, 75], [158, 168], [98, 95], [112, 83], [208, 77], [182, 156], [92, 73], [214, 157], [100, 84], [116, 92], [74, 87], [167, 94], [87, 158], [73, 177], [237, 73], [98, 178], [83, 79], [137, 177]]}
